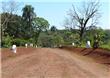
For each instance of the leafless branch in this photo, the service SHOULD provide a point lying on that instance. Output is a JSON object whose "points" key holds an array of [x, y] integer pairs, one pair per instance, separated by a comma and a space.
{"points": [[89, 11]]}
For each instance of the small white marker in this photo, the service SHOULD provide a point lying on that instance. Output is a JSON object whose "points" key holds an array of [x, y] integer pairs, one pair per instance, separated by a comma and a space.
{"points": [[26, 45], [14, 48]]}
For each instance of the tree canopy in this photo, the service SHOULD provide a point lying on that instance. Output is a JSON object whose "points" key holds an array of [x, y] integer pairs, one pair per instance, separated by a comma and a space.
{"points": [[84, 17]]}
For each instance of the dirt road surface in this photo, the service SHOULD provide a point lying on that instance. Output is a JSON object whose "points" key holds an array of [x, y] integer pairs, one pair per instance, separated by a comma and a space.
{"points": [[50, 63]]}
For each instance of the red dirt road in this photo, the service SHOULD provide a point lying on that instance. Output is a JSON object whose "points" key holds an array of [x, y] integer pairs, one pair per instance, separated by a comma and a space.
{"points": [[50, 63]]}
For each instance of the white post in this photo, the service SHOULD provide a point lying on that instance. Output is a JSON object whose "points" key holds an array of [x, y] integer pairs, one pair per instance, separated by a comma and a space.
{"points": [[14, 48], [88, 45], [72, 44], [26, 45], [31, 45], [36, 46]]}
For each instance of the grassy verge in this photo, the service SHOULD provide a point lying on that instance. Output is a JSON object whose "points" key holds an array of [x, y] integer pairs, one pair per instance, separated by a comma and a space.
{"points": [[105, 47]]}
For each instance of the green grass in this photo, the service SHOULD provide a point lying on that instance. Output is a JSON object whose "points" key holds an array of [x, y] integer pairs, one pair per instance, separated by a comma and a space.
{"points": [[105, 47]]}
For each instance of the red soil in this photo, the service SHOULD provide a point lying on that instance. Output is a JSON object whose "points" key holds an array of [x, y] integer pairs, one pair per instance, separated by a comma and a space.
{"points": [[6, 53], [99, 55], [54, 63]]}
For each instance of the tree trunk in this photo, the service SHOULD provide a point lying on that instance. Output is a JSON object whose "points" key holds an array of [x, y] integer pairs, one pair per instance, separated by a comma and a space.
{"points": [[37, 36], [81, 33]]}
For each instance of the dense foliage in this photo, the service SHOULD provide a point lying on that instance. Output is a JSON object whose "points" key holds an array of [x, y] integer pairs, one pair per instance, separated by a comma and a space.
{"points": [[23, 29], [29, 28]]}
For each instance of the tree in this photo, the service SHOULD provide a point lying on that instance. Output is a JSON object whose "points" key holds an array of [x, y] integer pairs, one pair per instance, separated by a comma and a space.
{"points": [[7, 41], [45, 40], [86, 16], [28, 16], [12, 30], [53, 29], [96, 35], [99, 37], [13, 27], [8, 9], [58, 40], [39, 24]]}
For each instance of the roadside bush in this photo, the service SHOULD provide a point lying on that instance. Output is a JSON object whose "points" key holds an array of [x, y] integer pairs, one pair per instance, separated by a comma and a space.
{"points": [[45, 41], [67, 43], [106, 46], [19, 42], [7, 41], [58, 40]]}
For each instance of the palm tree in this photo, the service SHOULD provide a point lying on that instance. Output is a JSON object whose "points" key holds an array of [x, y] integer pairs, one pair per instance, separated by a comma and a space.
{"points": [[28, 16]]}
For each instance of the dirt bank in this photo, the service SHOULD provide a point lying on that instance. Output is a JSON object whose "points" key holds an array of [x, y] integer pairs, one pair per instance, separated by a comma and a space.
{"points": [[99, 55]]}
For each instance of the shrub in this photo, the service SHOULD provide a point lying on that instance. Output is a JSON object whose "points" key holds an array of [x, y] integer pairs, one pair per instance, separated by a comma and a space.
{"points": [[19, 42], [7, 41]]}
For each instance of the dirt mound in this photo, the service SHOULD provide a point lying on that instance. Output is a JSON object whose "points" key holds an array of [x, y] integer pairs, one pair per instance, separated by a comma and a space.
{"points": [[99, 55]]}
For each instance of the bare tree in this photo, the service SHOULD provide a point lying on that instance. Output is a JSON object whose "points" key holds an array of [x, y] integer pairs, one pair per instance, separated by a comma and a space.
{"points": [[83, 17], [8, 8]]}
